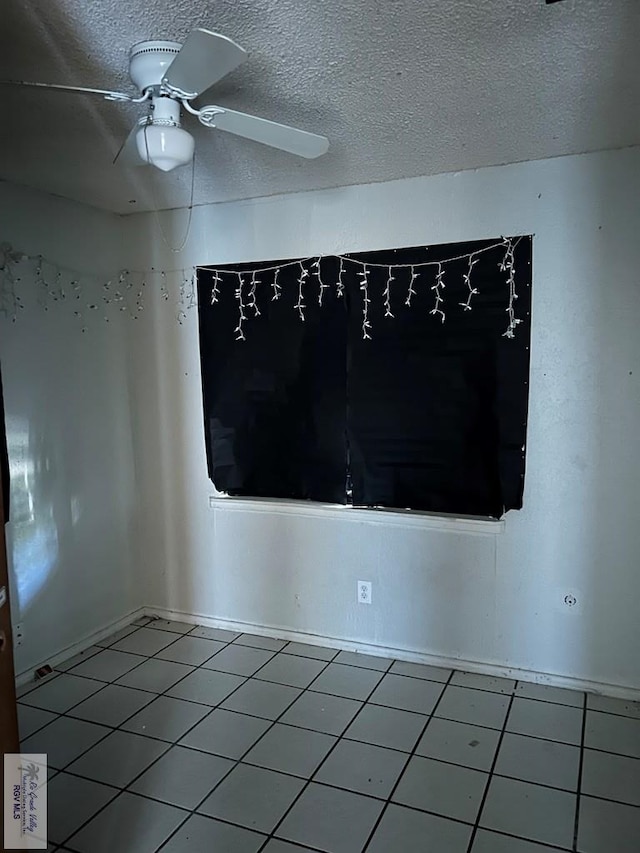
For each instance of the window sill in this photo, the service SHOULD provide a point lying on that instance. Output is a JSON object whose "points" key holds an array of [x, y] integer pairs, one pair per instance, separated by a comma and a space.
{"points": [[387, 517]]}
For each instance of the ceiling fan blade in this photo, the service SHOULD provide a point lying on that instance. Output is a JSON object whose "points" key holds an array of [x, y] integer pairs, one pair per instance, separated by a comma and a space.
{"points": [[81, 90], [281, 136], [203, 59], [128, 152]]}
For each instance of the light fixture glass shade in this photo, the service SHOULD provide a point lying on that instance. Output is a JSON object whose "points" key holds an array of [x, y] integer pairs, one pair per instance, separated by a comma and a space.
{"points": [[164, 146]]}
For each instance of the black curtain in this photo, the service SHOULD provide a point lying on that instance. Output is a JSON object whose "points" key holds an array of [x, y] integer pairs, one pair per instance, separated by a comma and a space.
{"points": [[425, 415], [437, 411], [274, 404]]}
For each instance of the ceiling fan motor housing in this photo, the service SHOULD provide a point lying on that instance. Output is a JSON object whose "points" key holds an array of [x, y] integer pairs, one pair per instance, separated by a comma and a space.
{"points": [[149, 60]]}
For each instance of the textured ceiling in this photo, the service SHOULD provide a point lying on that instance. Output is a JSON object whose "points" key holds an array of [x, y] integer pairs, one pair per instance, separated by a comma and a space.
{"points": [[401, 88]]}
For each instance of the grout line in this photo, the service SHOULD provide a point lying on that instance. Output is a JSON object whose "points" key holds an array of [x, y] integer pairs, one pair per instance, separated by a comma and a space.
{"points": [[406, 764], [490, 777], [338, 739], [268, 729], [236, 762], [580, 769]]}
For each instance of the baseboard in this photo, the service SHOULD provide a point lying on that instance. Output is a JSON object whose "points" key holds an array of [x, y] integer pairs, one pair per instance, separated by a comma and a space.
{"points": [[619, 691], [88, 640]]}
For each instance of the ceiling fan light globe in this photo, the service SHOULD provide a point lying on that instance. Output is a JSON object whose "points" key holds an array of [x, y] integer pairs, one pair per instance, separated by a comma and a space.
{"points": [[165, 147]]}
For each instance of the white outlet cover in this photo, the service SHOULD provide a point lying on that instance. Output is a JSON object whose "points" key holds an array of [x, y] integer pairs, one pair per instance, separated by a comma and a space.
{"points": [[364, 592]]}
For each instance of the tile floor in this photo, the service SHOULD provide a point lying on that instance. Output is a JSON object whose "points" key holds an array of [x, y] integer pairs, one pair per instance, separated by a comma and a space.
{"points": [[174, 738]]}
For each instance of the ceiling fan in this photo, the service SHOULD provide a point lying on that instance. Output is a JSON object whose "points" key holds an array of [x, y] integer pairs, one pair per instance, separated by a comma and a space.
{"points": [[169, 76]]}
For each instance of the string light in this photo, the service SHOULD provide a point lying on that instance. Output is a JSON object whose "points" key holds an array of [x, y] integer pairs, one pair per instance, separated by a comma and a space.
{"points": [[241, 315], [63, 283], [193, 283], [300, 306], [439, 287], [411, 292], [508, 265], [253, 299], [322, 285], [215, 290], [466, 306], [340, 284], [364, 287], [277, 289], [387, 294]]}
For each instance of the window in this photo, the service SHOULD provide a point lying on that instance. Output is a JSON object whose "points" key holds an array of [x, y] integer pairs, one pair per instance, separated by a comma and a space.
{"points": [[402, 392]]}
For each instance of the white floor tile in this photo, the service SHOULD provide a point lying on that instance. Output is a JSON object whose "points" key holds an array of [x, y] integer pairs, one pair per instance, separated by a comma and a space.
{"points": [[130, 824], [542, 761], [215, 634], [145, 641], [613, 777], [107, 665], [257, 642], [61, 693], [611, 733], [166, 718], [200, 834], [403, 830], [530, 811], [459, 743], [119, 758], [64, 740], [490, 842], [292, 670], [30, 720], [605, 827], [419, 670], [155, 675], [72, 801], [190, 650], [322, 713], [112, 706], [206, 686], [476, 707], [387, 727], [545, 720], [252, 797], [609, 705], [307, 651], [182, 777], [349, 681], [239, 660], [363, 768], [79, 658], [407, 694], [546, 693], [446, 789], [331, 820], [366, 661], [483, 682], [290, 750], [261, 699], [226, 733]]}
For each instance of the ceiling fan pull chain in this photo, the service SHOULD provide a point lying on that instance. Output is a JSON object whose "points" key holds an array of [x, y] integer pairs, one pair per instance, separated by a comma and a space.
{"points": [[165, 239]]}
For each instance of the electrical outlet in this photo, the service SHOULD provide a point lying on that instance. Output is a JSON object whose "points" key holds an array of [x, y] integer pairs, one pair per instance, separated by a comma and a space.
{"points": [[364, 592], [18, 634]]}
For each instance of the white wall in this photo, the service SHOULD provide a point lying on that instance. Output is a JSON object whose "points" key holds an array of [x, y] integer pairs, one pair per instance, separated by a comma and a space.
{"points": [[495, 599], [69, 430]]}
